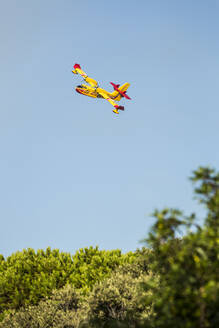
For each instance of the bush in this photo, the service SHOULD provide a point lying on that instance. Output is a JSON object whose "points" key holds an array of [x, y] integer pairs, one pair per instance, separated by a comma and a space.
{"points": [[27, 277], [62, 310], [114, 302]]}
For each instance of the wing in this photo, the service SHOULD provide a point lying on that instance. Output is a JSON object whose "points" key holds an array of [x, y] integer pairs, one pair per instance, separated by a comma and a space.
{"points": [[106, 96], [78, 70]]}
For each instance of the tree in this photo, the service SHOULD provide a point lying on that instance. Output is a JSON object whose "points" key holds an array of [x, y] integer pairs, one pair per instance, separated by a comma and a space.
{"points": [[27, 277], [62, 310], [188, 267], [114, 302]]}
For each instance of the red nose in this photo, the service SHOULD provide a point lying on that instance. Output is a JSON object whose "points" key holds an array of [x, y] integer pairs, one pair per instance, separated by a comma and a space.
{"points": [[78, 90]]}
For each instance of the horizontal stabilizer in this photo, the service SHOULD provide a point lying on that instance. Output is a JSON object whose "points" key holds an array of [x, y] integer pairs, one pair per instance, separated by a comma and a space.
{"points": [[115, 86], [122, 93]]}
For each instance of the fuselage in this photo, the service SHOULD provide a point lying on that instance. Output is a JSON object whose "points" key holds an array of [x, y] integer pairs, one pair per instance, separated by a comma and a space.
{"points": [[89, 91], [86, 91]]}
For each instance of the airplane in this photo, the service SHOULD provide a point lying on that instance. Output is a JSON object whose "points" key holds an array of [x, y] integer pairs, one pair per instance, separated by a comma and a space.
{"points": [[93, 90]]}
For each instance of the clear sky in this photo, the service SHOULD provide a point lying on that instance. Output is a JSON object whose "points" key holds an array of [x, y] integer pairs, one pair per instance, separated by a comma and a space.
{"points": [[73, 174]]}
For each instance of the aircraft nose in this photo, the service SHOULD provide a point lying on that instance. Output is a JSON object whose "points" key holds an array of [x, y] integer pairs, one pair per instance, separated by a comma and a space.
{"points": [[78, 90]]}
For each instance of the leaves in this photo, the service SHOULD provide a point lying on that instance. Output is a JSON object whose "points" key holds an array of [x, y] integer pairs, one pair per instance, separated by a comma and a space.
{"points": [[174, 283], [188, 294], [27, 277]]}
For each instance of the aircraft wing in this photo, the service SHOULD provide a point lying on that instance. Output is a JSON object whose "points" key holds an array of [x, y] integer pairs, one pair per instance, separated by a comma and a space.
{"points": [[78, 70], [105, 95]]}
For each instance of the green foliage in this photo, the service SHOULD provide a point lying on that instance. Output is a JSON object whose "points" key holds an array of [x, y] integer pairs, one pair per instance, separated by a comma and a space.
{"points": [[188, 268], [28, 276], [115, 301], [174, 283], [62, 310], [91, 265], [208, 193]]}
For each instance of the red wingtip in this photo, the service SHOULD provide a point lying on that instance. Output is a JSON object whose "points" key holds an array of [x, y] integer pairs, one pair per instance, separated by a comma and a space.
{"points": [[77, 66]]}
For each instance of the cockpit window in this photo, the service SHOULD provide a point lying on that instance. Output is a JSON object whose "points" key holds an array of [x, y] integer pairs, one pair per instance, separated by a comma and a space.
{"points": [[79, 86]]}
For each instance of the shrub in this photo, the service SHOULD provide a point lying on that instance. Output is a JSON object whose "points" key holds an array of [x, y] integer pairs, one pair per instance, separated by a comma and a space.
{"points": [[27, 277], [114, 302], [62, 310]]}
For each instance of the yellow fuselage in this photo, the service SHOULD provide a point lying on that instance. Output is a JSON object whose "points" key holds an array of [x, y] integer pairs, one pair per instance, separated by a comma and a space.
{"points": [[89, 91]]}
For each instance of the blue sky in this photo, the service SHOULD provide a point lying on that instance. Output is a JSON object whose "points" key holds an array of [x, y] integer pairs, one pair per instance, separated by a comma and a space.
{"points": [[72, 174]]}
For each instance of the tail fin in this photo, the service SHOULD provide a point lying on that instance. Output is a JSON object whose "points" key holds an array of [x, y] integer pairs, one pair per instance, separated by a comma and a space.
{"points": [[115, 94]]}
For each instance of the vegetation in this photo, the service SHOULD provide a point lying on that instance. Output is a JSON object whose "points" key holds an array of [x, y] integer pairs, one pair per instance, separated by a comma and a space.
{"points": [[174, 282], [188, 292], [60, 310], [27, 277]]}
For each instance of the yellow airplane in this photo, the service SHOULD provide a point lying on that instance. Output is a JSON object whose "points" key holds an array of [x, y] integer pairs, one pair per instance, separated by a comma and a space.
{"points": [[93, 90]]}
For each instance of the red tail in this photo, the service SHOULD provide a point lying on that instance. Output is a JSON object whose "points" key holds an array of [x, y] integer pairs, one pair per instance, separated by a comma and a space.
{"points": [[122, 93], [115, 86]]}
